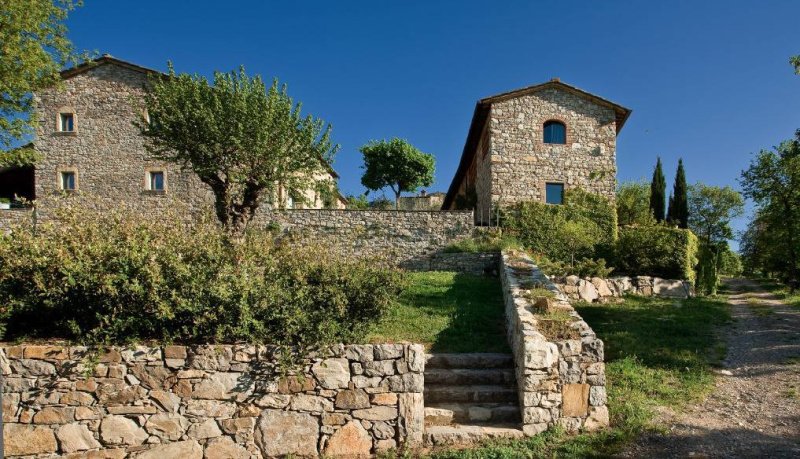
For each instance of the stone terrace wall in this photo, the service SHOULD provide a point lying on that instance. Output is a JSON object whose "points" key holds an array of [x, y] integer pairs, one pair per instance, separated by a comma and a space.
{"points": [[559, 382], [9, 217], [407, 238], [598, 289], [217, 401]]}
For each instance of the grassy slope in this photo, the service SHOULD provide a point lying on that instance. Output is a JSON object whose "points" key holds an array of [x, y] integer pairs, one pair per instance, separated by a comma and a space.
{"points": [[658, 352], [448, 312]]}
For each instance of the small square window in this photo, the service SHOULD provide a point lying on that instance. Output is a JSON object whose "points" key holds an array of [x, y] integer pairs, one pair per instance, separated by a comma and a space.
{"points": [[155, 181], [554, 193], [66, 122], [68, 181]]}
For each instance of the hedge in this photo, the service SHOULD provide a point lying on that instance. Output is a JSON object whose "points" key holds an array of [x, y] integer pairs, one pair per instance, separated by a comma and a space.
{"points": [[657, 250], [114, 278], [541, 228]]}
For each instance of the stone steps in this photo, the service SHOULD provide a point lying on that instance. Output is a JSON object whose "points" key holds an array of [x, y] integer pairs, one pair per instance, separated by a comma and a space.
{"points": [[469, 376], [465, 435], [466, 394], [466, 361], [471, 413]]}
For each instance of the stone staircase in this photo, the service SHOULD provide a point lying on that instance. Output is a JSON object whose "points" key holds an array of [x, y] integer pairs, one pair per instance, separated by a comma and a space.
{"points": [[470, 397]]}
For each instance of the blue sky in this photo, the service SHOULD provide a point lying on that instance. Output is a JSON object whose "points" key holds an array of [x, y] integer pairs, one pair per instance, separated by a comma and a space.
{"points": [[708, 81]]}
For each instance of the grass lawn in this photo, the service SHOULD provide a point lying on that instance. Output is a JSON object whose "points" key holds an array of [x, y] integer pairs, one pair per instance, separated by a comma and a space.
{"points": [[447, 312], [658, 352]]}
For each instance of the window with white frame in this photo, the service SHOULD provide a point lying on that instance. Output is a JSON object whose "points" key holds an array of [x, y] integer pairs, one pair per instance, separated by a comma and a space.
{"points": [[68, 180], [156, 181], [66, 122]]}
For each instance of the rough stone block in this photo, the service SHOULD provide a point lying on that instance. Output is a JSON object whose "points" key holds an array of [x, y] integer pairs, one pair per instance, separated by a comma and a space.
{"points": [[575, 400]]}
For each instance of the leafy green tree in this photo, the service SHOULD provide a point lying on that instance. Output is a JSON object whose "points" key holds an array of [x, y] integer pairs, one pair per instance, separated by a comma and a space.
{"points": [[35, 47], [242, 139], [396, 164], [357, 202], [772, 181], [795, 61], [678, 212], [658, 189], [711, 209], [633, 204]]}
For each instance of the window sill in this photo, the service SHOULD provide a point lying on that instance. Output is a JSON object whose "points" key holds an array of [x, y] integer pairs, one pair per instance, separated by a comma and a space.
{"points": [[154, 192], [65, 133]]}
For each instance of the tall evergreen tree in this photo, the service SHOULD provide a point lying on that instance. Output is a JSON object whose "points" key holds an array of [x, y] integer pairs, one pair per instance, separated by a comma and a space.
{"points": [[658, 191], [678, 212]]}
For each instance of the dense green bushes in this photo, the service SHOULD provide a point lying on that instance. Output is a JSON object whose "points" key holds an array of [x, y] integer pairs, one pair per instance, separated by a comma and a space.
{"points": [[656, 251], [114, 278], [584, 227]]}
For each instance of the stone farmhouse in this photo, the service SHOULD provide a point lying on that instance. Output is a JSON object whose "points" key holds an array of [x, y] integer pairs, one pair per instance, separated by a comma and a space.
{"points": [[532, 144], [89, 147]]}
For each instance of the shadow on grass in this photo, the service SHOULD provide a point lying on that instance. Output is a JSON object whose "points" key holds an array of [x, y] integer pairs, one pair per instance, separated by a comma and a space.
{"points": [[448, 312]]}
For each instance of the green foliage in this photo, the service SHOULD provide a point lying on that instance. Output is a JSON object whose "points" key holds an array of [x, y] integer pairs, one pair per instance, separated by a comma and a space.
{"points": [[328, 191], [678, 212], [656, 251], [584, 226], [357, 202], [707, 270], [633, 204], [19, 157], [711, 209], [447, 312], [34, 49], [587, 267], [730, 263], [114, 278], [396, 164], [771, 244], [658, 190], [484, 242], [242, 139]]}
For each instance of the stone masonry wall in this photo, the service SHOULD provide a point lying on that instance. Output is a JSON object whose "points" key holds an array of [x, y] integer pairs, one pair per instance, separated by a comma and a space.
{"points": [[560, 382], [521, 163], [407, 238], [10, 217], [209, 401], [599, 290]]}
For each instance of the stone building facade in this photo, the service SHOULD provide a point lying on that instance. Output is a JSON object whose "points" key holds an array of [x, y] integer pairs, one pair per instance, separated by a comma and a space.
{"points": [[509, 156], [88, 142]]}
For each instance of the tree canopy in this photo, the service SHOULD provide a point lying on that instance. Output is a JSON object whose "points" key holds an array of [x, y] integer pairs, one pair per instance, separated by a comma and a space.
{"points": [[711, 209], [658, 189], [633, 204], [243, 139], [396, 164], [34, 50], [772, 181], [678, 211]]}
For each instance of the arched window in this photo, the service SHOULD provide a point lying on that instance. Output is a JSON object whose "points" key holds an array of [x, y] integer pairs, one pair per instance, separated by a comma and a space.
{"points": [[555, 132]]}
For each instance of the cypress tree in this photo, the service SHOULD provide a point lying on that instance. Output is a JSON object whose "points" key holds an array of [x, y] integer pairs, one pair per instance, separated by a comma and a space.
{"points": [[658, 190], [678, 213]]}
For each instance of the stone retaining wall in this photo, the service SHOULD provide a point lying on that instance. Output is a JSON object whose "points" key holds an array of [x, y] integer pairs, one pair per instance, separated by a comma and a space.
{"points": [[9, 217], [217, 401], [406, 238], [599, 290], [560, 381], [478, 264]]}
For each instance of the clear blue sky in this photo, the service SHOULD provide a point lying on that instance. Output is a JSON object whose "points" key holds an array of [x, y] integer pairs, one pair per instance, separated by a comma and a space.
{"points": [[708, 81]]}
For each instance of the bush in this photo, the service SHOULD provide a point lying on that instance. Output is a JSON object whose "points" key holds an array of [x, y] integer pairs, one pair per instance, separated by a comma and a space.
{"points": [[584, 227], [588, 267], [656, 251], [484, 241], [114, 279]]}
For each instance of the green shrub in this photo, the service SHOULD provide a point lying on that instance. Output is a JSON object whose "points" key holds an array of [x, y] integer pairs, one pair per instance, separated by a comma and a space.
{"points": [[587, 267], [656, 251], [484, 241], [585, 226], [113, 278]]}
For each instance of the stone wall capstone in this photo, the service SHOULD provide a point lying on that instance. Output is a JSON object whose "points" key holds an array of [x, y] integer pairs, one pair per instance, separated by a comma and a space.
{"points": [[209, 401], [560, 381]]}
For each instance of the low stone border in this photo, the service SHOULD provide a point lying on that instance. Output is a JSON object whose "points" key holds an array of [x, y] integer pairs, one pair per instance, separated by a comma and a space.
{"points": [[208, 400], [560, 382], [477, 264], [599, 289]]}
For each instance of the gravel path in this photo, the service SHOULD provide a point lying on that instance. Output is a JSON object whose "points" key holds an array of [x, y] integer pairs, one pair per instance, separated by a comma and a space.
{"points": [[755, 409]]}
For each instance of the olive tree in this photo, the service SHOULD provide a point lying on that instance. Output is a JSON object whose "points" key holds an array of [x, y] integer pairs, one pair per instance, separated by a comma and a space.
{"points": [[242, 139]]}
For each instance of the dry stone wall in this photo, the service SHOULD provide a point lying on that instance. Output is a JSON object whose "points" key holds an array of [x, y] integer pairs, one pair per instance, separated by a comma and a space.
{"points": [[11, 217], [209, 401], [407, 238], [596, 289], [560, 381]]}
